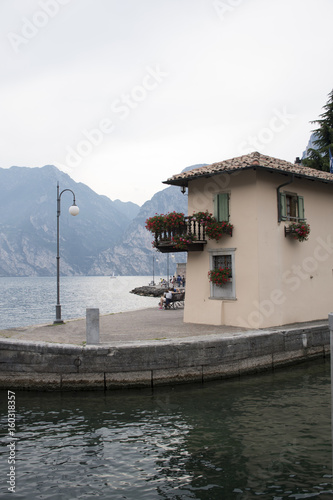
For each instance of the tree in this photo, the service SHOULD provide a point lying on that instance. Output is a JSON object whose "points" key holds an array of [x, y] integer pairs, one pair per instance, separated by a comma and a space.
{"points": [[319, 157]]}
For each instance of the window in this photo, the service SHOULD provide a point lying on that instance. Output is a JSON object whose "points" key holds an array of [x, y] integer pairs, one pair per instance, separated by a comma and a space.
{"points": [[221, 207], [223, 258], [222, 261], [292, 207]]}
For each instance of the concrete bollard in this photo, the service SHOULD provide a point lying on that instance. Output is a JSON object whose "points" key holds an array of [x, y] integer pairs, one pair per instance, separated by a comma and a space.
{"points": [[92, 326]]}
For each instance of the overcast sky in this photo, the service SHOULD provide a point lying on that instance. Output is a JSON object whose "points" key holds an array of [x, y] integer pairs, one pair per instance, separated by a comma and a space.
{"points": [[122, 94]]}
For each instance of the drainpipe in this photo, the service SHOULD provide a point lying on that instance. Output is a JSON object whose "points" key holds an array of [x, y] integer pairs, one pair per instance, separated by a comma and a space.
{"points": [[278, 195]]}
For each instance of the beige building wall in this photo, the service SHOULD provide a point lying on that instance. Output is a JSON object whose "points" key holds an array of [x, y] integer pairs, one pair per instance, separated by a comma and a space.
{"points": [[278, 280]]}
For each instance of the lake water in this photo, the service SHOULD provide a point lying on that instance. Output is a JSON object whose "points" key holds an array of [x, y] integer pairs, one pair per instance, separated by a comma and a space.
{"points": [[266, 436], [30, 301]]}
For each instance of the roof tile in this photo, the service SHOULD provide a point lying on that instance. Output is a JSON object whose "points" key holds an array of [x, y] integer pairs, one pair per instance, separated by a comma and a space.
{"points": [[252, 160]]}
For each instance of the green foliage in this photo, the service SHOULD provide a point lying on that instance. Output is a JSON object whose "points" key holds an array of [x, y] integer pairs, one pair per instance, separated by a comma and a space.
{"points": [[319, 158]]}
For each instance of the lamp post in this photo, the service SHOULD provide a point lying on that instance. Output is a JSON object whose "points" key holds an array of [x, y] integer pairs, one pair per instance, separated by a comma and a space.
{"points": [[73, 210], [168, 272], [154, 269]]}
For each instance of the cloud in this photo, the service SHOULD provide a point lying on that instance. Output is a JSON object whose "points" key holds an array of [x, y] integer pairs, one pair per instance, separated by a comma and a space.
{"points": [[225, 78]]}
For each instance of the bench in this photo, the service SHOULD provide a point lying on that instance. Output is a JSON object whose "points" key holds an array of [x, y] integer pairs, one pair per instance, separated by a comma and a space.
{"points": [[176, 301]]}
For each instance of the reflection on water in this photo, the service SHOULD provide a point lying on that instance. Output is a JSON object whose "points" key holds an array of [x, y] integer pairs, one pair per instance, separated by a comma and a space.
{"points": [[266, 436]]}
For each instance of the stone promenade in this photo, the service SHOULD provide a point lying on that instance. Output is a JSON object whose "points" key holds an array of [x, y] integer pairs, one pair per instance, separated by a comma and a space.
{"points": [[148, 348], [144, 324]]}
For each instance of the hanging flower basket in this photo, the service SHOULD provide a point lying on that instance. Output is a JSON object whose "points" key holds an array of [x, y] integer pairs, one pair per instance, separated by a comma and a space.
{"points": [[174, 220], [298, 230], [220, 276], [181, 242], [215, 229], [156, 224], [202, 217], [168, 222]]}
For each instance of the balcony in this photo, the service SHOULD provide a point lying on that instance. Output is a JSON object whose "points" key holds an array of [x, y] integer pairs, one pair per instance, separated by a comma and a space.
{"points": [[188, 237]]}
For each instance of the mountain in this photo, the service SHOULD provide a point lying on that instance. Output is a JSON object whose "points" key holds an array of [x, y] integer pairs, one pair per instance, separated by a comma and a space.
{"points": [[128, 208], [107, 236], [310, 145], [28, 208], [134, 254]]}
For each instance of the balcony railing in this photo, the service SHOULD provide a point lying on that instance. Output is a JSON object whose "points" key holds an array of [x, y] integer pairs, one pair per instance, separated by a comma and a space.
{"points": [[188, 237]]}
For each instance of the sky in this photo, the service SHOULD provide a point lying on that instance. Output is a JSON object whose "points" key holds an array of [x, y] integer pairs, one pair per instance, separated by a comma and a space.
{"points": [[122, 94]]}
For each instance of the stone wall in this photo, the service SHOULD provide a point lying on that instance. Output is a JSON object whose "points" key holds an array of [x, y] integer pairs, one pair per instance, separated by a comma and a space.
{"points": [[45, 366]]}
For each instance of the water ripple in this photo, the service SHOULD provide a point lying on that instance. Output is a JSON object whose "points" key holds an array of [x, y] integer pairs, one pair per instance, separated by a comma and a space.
{"points": [[267, 436]]}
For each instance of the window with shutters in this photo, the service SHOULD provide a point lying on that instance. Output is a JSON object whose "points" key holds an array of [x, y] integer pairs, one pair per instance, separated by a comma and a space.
{"points": [[221, 207], [292, 207]]}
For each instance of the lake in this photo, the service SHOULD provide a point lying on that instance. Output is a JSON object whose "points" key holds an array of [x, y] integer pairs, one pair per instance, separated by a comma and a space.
{"points": [[266, 436], [32, 300]]}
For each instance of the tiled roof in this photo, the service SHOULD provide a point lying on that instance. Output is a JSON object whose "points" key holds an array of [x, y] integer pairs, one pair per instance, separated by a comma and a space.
{"points": [[252, 160]]}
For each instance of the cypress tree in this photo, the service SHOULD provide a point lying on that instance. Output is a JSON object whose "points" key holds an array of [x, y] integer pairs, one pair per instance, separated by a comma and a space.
{"points": [[319, 157]]}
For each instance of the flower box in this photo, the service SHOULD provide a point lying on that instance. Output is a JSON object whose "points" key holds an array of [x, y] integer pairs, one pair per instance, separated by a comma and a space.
{"points": [[220, 276], [298, 230]]}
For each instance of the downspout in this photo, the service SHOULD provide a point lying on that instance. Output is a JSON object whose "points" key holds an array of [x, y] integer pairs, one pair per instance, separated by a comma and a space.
{"points": [[278, 195]]}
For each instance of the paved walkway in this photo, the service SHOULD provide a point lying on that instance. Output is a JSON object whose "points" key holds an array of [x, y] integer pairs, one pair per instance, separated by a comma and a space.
{"points": [[133, 326], [144, 324]]}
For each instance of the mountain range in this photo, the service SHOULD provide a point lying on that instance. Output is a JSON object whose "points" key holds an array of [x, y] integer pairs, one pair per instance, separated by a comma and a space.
{"points": [[106, 237]]}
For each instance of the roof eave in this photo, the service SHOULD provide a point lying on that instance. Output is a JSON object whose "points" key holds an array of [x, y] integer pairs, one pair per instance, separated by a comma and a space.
{"points": [[185, 181]]}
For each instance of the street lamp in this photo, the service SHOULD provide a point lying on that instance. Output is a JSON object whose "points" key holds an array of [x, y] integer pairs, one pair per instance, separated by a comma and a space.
{"points": [[73, 210], [168, 275], [154, 269]]}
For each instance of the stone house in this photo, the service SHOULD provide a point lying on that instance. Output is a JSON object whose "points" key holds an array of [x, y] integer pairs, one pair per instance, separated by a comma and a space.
{"points": [[274, 278]]}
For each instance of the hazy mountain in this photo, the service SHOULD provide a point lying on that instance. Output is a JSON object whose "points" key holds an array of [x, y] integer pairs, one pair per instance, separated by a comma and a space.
{"points": [[28, 205], [133, 255], [311, 145], [128, 208], [107, 236]]}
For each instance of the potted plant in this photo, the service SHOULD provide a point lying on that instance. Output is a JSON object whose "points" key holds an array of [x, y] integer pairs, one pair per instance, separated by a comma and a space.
{"points": [[299, 230], [220, 276]]}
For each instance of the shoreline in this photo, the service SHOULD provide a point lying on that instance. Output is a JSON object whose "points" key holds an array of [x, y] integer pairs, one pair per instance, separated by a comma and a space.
{"points": [[28, 300], [148, 348]]}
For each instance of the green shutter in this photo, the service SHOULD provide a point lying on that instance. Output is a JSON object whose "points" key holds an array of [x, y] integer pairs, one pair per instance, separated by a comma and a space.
{"points": [[283, 206], [221, 207], [300, 203]]}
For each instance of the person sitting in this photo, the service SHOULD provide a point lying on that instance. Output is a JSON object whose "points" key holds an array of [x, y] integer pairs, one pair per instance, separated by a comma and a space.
{"points": [[168, 298], [162, 301]]}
